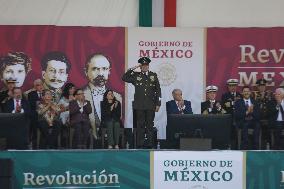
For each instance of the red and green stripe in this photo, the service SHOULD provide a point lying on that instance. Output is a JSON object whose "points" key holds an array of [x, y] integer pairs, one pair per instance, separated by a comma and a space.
{"points": [[159, 13]]}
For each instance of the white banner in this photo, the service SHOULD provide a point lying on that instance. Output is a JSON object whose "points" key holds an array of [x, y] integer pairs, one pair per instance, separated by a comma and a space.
{"points": [[177, 58], [198, 170]]}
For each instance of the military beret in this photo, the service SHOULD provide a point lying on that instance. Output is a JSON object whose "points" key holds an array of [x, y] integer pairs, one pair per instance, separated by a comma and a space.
{"points": [[261, 82], [144, 60], [211, 88], [11, 80], [232, 82]]}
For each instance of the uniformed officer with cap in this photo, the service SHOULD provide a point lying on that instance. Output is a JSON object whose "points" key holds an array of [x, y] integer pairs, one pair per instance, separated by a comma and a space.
{"points": [[262, 96], [6, 94], [229, 98], [147, 99], [212, 106]]}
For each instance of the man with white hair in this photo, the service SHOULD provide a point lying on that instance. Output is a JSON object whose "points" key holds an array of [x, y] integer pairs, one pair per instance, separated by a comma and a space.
{"points": [[178, 105], [276, 116]]}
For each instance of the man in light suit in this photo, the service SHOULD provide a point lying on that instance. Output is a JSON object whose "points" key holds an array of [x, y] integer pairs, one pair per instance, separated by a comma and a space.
{"points": [[97, 70], [178, 105]]}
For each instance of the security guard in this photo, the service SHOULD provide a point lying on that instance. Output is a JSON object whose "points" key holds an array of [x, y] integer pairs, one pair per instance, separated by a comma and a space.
{"points": [[147, 99], [262, 96], [212, 106], [229, 98]]}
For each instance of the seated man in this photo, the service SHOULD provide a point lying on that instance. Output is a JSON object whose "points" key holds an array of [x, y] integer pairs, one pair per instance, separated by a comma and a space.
{"points": [[178, 105], [247, 114], [18, 104], [229, 98], [211, 106], [275, 114], [7, 93]]}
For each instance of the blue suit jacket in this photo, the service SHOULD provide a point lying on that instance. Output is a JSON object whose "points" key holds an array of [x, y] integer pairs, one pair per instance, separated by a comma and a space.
{"points": [[172, 107], [240, 110], [24, 105]]}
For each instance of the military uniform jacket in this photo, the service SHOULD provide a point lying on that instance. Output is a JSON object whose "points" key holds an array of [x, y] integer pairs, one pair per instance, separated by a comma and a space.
{"points": [[263, 100], [147, 89], [205, 108], [228, 101]]}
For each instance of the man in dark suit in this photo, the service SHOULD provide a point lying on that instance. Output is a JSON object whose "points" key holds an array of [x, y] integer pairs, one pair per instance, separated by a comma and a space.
{"points": [[18, 104], [247, 115], [34, 97], [147, 99], [229, 98], [79, 119], [211, 106], [275, 113], [7, 93], [178, 105]]}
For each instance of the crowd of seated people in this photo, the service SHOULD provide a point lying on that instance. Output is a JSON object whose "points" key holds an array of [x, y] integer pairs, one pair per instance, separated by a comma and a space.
{"points": [[258, 110]]}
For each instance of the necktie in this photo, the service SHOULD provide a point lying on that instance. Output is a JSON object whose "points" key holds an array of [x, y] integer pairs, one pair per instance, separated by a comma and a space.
{"points": [[39, 95], [18, 106], [247, 104]]}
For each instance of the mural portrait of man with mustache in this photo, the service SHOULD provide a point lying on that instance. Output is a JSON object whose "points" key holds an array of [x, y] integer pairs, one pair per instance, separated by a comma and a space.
{"points": [[55, 68], [97, 70]]}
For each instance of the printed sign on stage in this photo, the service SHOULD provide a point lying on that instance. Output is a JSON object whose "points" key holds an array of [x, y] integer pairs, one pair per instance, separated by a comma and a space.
{"points": [[246, 54], [177, 58], [198, 170], [80, 169]]}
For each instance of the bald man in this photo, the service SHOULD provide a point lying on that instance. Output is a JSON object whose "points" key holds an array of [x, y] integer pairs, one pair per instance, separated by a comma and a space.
{"points": [[97, 70]]}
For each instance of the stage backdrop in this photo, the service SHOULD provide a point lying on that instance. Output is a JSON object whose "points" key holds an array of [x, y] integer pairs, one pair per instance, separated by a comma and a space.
{"points": [[246, 54], [177, 58], [77, 43]]}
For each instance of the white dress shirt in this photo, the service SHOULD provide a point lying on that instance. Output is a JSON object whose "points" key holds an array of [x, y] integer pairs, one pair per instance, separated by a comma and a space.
{"points": [[15, 105], [279, 117]]}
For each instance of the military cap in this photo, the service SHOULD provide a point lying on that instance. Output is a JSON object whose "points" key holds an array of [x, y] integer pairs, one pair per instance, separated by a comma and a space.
{"points": [[261, 82], [144, 60], [211, 88], [11, 80], [232, 82]]}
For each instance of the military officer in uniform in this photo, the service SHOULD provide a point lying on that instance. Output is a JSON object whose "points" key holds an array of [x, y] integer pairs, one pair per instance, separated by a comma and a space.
{"points": [[263, 97], [147, 99], [228, 102], [229, 98], [212, 106]]}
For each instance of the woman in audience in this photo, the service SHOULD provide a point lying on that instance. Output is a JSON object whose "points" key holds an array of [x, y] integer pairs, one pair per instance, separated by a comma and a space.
{"points": [[110, 114], [49, 123], [79, 119], [67, 96]]}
